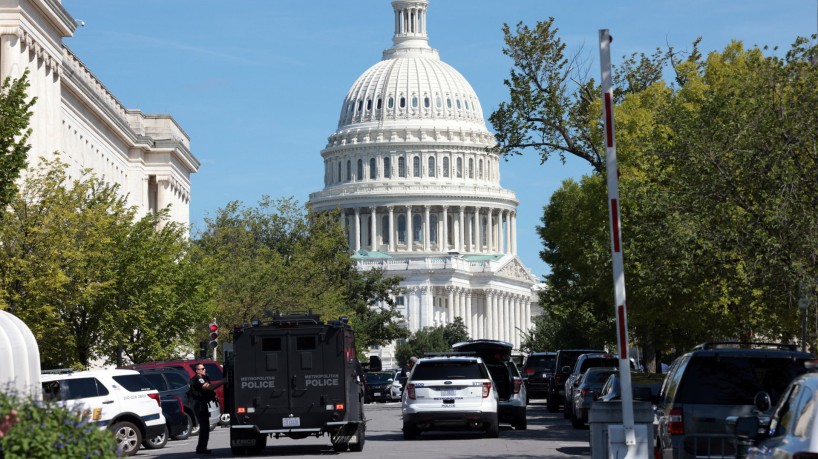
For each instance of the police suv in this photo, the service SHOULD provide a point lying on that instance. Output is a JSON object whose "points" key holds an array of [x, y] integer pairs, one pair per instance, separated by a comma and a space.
{"points": [[294, 376]]}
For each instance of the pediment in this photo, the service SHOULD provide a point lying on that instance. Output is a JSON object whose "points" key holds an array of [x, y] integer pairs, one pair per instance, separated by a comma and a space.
{"points": [[515, 270]]}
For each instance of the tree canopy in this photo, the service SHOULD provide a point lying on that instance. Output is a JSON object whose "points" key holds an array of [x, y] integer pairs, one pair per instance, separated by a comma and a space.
{"points": [[15, 111]]}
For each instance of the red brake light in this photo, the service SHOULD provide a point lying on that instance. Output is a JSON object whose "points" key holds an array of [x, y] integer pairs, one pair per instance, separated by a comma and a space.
{"points": [[676, 424], [486, 389], [155, 396], [529, 371], [410, 391], [518, 383], [584, 392]]}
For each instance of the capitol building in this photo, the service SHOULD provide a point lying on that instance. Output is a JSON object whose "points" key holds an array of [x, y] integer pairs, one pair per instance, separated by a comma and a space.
{"points": [[419, 191]]}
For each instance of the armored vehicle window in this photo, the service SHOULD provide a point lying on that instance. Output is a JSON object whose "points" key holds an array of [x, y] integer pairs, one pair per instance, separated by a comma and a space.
{"points": [[270, 344], [305, 343], [449, 370]]}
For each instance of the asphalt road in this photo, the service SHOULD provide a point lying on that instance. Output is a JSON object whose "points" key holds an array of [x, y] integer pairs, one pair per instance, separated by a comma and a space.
{"points": [[548, 436]]}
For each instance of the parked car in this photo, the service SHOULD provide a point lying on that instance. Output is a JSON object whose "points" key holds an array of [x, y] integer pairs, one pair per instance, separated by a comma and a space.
{"points": [[792, 431], [173, 382], [450, 392], [644, 386], [380, 387], [122, 401], [583, 363], [507, 379], [588, 389], [716, 381], [213, 369], [556, 390], [538, 372]]}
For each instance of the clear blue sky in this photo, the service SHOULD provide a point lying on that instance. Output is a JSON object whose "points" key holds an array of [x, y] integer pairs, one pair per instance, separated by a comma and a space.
{"points": [[258, 84]]}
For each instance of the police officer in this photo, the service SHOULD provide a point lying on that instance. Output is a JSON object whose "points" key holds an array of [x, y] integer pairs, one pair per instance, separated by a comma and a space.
{"points": [[202, 392]]}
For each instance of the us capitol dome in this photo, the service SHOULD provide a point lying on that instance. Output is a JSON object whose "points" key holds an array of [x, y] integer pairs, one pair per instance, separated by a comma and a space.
{"points": [[419, 191]]}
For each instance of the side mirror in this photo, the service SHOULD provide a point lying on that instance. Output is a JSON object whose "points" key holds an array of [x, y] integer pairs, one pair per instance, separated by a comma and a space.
{"points": [[762, 401], [746, 427]]}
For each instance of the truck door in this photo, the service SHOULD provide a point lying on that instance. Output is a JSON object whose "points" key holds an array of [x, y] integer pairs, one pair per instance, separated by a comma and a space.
{"points": [[314, 375]]}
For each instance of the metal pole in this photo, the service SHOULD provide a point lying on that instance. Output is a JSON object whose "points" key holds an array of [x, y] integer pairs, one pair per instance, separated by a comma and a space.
{"points": [[616, 237]]}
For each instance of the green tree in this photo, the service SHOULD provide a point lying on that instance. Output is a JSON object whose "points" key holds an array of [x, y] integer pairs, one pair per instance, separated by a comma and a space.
{"points": [[280, 257], [432, 339], [15, 112]]}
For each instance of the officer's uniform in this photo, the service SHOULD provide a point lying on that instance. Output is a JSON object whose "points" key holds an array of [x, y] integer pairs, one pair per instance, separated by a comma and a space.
{"points": [[201, 397]]}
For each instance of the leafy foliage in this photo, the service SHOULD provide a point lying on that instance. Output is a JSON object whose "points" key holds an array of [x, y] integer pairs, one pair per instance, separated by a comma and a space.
{"points": [[15, 112], [47, 430], [432, 339]]}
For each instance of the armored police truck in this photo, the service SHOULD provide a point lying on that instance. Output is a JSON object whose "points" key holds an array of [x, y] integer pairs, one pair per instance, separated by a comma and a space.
{"points": [[294, 376]]}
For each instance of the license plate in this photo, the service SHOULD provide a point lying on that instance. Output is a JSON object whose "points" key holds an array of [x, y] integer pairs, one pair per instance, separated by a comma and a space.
{"points": [[376, 394], [447, 393], [291, 422]]}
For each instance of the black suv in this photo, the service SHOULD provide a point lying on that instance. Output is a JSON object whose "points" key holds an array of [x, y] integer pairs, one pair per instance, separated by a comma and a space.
{"points": [[538, 372], [565, 358], [714, 381]]}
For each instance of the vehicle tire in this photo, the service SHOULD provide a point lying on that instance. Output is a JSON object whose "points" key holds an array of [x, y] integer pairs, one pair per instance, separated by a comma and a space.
{"points": [[239, 451], [261, 443], [185, 434], [360, 434], [410, 431], [576, 422], [521, 423], [567, 409], [158, 441], [128, 437], [551, 404], [493, 429]]}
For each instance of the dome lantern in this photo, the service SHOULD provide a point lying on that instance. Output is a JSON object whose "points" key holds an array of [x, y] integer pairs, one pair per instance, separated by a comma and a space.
{"points": [[410, 28]]}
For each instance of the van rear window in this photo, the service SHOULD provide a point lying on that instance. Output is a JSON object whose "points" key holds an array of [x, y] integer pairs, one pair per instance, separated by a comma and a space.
{"points": [[736, 380], [449, 370]]}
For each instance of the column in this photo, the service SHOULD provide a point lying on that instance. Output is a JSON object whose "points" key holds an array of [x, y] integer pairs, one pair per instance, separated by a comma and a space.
{"points": [[426, 228], [468, 318], [460, 231], [527, 316], [490, 229], [450, 313], [162, 192], [513, 233], [408, 228], [427, 306], [373, 230], [481, 317], [9, 56], [518, 306], [392, 231], [478, 241], [508, 232], [357, 229], [504, 317], [493, 295], [444, 238], [145, 190]]}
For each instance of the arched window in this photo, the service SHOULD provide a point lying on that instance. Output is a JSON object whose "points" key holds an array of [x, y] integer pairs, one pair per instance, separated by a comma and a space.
{"points": [[402, 229], [373, 169], [349, 170], [414, 101], [459, 167], [471, 168], [432, 171], [402, 102], [369, 104], [385, 229], [387, 167], [360, 105], [433, 228], [458, 104], [339, 171], [426, 102], [416, 166], [480, 169], [391, 102], [417, 228], [446, 166], [466, 103], [438, 102], [379, 105], [401, 167], [448, 103], [360, 175]]}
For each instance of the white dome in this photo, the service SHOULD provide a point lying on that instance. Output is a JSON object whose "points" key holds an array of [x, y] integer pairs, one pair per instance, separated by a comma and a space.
{"points": [[411, 83]]}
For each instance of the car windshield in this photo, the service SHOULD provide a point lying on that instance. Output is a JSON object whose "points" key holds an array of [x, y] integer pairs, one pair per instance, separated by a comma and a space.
{"points": [[540, 362], [599, 362], [448, 370], [375, 378]]}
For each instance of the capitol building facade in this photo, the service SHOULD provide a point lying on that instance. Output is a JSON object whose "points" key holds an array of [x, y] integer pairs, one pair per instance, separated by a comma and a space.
{"points": [[411, 170]]}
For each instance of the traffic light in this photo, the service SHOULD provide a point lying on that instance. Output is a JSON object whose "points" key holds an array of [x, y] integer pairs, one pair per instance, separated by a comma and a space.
{"points": [[214, 335], [202, 349]]}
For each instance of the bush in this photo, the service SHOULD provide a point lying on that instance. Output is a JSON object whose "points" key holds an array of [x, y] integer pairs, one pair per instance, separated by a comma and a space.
{"points": [[47, 430]]}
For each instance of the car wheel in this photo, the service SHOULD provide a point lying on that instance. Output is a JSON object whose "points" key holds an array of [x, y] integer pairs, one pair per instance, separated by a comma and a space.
{"points": [[261, 443], [128, 437], [158, 441], [521, 423], [185, 434], [410, 431], [567, 408], [551, 404], [493, 429], [576, 422]]}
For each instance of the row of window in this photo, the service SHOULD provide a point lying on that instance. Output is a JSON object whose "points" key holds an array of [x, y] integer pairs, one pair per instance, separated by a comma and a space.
{"points": [[416, 170], [360, 105], [417, 229]]}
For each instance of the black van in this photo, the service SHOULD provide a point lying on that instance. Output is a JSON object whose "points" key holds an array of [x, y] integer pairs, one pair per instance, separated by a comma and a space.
{"points": [[297, 377]]}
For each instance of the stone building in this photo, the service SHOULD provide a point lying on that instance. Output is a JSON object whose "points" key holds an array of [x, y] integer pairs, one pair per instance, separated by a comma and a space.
{"points": [[420, 192], [147, 155]]}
